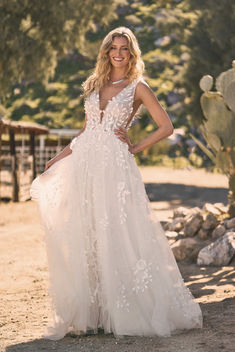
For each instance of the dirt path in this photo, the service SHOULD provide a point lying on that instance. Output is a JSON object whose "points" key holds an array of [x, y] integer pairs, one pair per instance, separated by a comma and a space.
{"points": [[24, 301], [169, 189]]}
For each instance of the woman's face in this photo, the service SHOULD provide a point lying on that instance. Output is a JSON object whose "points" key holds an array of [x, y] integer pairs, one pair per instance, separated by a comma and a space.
{"points": [[119, 52]]}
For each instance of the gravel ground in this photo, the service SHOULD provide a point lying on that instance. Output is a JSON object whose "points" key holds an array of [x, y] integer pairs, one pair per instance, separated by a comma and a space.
{"points": [[24, 303]]}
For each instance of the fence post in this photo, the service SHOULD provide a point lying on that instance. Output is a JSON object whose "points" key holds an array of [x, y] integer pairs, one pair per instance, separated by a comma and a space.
{"points": [[0, 156], [15, 193], [32, 152]]}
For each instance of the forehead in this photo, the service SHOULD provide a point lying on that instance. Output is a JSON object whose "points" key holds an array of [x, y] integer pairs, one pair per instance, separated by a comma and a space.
{"points": [[120, 41]]}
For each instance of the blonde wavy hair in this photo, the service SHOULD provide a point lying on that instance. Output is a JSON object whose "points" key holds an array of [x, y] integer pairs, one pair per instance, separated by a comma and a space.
{"points": [[103, 67]]}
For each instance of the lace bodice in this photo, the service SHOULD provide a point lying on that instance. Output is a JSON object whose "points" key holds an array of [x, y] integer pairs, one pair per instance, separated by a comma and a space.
{"points": [[118, 111]]}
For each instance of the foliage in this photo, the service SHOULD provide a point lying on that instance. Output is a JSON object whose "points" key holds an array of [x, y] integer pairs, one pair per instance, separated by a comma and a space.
{"points": [[56, 104], [204, 37], [34, 34], [50, 49]]}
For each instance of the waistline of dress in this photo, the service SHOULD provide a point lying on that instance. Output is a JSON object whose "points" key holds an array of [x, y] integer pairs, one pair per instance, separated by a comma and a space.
{"points": [[99, 129]]}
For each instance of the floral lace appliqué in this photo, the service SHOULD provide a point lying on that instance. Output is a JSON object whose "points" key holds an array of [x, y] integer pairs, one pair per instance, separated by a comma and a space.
{"points": [[104, 222], [123, 192], [142, 275], [122, 301]]}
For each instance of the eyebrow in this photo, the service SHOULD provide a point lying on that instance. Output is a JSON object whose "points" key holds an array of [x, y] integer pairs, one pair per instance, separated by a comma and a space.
{"points": [[121, 45]]}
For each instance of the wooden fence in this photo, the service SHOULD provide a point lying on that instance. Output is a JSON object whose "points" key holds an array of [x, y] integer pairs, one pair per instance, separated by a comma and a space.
{"points": [[24, 168]]}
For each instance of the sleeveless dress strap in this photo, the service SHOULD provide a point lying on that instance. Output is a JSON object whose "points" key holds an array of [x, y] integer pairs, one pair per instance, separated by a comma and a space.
{"points": [[132, 116]]}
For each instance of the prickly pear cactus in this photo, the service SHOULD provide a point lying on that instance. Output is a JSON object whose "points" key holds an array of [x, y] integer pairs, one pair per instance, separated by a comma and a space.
{"points": [[218, 127], [206, 83]]}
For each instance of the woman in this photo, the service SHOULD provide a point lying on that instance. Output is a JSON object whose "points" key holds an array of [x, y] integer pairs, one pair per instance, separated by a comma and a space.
{"points": [[109, 261]]}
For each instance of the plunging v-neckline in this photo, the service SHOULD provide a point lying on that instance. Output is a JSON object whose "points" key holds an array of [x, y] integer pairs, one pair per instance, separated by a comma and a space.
{"points": [[109, 101]]}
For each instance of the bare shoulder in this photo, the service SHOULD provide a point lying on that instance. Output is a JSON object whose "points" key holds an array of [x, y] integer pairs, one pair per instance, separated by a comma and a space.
{"points": [[143, 91]]}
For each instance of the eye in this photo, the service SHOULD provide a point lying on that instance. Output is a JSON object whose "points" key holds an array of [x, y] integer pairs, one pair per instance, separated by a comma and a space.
{"points": [[126, 48]]}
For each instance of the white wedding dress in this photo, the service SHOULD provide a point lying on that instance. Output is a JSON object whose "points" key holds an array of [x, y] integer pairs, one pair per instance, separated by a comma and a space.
{"points": [[109, 260]]}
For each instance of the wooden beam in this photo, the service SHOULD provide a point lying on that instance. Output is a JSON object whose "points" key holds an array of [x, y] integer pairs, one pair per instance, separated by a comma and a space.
{"points": [[32, 152], [0, 157], [15, 193], [23, 127]]}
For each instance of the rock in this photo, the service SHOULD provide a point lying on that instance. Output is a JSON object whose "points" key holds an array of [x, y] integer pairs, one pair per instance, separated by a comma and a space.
{"points": [[180, 212], [171, 241], [229, 224], [186, 248], [221, 207], [210, 222], [218, 231], [171, 234], [218, 253], [165, 225], [193, 224], [210, 208], [193, 211], [203, 234], [177, 224]]}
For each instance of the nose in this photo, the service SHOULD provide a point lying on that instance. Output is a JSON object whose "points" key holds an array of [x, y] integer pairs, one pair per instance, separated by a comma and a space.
{"points": [[118, 51]]}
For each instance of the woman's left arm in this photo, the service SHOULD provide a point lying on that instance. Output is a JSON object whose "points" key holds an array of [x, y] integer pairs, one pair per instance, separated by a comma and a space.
{"points": [[165, 128]]}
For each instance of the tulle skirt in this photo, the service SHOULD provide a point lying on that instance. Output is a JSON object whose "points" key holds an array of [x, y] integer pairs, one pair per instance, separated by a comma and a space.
{"points": [[109, 260]]}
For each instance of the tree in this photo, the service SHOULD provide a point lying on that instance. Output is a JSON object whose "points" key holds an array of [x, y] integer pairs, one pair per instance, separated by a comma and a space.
{"points": [[206, 32], [34, 34]]}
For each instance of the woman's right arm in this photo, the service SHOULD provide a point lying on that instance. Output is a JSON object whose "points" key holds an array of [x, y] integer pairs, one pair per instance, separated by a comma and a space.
{"points": [[65, 152]]}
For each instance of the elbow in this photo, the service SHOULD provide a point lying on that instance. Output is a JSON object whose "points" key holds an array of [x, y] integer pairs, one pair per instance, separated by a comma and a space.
{"points": [[169, 130]]}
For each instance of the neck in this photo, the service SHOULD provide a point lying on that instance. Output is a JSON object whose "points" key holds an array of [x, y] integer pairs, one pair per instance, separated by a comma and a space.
{"points": [[117, 74]]}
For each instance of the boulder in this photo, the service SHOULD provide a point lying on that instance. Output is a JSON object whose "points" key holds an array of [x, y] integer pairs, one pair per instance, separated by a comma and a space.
{"points": [[221, 207], [210, 222], [165, 225], [193, 224], [180, 212], [203, 234], [229, 224], [171, 234], [218, 231], [193, 211], [186, 249], [210, 208], [177, 224], [218, 253], [171, 241]]}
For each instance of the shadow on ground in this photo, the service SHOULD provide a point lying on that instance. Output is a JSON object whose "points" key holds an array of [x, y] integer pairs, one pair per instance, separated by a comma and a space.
{"points": [[203, 280], [217, 333], [184, 195]]}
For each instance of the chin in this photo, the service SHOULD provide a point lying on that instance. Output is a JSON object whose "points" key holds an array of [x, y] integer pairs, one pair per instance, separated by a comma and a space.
{"points": [[119, 64]]}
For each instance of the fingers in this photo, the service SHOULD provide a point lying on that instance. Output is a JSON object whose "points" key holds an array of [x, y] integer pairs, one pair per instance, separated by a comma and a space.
{"points": [[47, 166], [121, 134]]}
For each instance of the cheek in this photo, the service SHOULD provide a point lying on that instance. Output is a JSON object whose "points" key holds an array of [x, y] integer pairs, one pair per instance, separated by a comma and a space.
{"points": [[127, 54]]}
